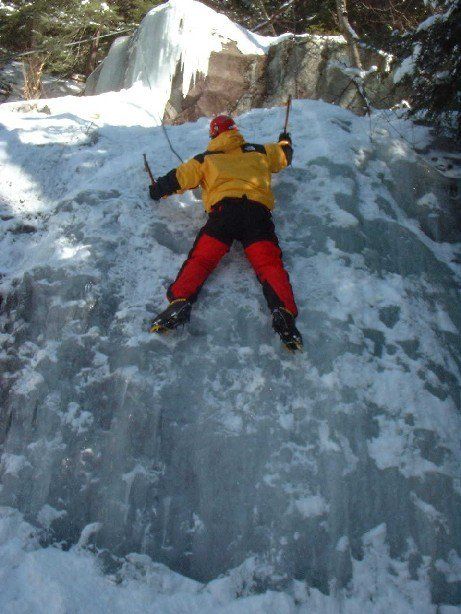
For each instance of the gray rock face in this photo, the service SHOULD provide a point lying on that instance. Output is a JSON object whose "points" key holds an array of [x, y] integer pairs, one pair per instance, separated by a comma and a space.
{"points": [[231, 85], [315, 67], [308, 66]]}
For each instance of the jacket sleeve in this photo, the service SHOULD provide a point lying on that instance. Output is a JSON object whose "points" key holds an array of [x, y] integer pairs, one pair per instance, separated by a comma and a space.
{"points": [[186, 177], [190, 174], [279, 155]]}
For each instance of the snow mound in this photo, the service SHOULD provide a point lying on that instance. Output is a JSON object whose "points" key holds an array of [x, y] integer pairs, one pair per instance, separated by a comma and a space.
{"points": [[39, 580]]}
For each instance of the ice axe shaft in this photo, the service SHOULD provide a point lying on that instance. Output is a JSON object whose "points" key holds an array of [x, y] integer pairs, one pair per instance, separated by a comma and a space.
{"points": [[148, 171], [287, 116]]}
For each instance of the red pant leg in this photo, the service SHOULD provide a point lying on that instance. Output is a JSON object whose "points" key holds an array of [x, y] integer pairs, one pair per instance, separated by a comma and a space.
{"points": [[266, 258], [203, 258]]}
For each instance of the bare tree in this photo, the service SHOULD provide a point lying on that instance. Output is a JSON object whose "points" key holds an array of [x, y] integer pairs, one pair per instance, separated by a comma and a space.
{"points": [[348, 33], [32, 69], [93, 54], [274, 16], [266, 17]]}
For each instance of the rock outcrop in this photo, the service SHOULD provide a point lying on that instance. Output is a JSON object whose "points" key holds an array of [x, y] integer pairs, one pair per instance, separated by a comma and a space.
{"points": [[235, 70]]}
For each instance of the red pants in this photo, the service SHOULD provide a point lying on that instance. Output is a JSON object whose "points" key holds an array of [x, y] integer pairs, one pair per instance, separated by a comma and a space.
{"points": [[251, 224]]}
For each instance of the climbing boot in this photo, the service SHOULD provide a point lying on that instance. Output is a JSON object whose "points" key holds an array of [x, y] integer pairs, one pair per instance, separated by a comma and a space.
{"points": [[177, 313], [283, 322]]}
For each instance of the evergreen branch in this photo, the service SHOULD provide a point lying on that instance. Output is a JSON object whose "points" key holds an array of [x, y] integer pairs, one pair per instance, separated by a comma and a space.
{"points": [[72, 44]]}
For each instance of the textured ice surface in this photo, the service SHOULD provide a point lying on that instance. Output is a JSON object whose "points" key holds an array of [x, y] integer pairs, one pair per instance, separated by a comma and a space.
{"points": [[212, 445]]}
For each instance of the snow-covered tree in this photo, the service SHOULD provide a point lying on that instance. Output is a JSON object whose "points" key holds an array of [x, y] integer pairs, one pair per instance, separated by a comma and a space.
{"points": [[431, 66]]}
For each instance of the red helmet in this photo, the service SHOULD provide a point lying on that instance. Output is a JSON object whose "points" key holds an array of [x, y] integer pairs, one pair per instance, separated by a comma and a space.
{"points": [[221, 123]]}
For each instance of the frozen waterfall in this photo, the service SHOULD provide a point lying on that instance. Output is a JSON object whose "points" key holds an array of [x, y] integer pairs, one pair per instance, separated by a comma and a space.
{"points": [[150, 59], [331, 478]]}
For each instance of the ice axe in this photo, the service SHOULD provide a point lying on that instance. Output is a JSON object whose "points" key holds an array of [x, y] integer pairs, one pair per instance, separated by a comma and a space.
{"points": [[285, 127], [148, 171]]}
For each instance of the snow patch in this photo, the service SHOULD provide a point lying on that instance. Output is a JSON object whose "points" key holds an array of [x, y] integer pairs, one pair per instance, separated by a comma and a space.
{"points": [[450, 568], [88, 531], [310, 506], [47, 515], [13, 464], [407, 65]]}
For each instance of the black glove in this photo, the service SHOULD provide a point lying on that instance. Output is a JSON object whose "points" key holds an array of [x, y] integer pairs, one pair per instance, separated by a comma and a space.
{"points": [[285, 136], [164, 186], [155, 192]]}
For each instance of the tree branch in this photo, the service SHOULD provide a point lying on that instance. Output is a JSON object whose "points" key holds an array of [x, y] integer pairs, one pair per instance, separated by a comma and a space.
{"points": [[349, 33], [85, 40], [277, 13], [268, 19]]}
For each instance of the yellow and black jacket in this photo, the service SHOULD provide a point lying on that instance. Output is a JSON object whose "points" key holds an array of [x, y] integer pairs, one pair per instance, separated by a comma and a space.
{"points": [[230, 168]]}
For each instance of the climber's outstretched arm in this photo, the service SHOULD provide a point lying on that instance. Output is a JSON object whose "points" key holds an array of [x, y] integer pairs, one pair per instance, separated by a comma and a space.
{"points": [[186, 177]]}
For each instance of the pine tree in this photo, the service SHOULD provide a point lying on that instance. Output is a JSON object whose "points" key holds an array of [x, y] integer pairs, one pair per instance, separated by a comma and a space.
{"points": [[46, 28], [436, 74], [50, 30]]}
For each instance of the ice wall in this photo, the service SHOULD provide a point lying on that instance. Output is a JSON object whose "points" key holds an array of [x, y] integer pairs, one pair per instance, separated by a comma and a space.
{"points": [[212, 445]]}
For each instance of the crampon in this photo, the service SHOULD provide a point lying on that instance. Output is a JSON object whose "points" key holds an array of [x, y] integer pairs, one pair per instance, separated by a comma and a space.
{"points": [[176, 314], [283, 322]]}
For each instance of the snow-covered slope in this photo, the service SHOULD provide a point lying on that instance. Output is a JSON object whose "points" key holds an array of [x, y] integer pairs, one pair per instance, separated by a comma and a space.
{"points": [[335, 472]]}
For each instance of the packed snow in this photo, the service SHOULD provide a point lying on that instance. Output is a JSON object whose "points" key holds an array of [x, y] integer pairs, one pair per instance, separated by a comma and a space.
{"points": [[210, 470], [50, 580]]}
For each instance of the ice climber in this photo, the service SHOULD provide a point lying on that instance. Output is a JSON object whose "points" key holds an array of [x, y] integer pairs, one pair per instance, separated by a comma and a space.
{"points": [[235, 177]]}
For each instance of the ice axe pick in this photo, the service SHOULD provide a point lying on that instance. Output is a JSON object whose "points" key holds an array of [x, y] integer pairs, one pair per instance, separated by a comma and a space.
{"points": [[148, 171]]}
